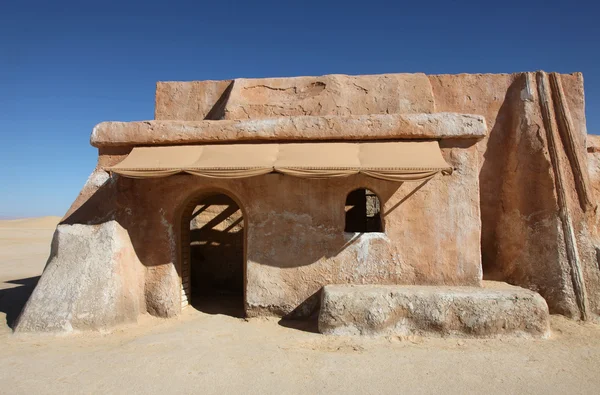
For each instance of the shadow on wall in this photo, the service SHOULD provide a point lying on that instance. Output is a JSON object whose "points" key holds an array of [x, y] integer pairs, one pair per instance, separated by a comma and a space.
{"points": [[313, 226], [378, 220], [491, 179], [116, 200], [12, 300], [292, 233], [99, 208], [217, 112]]}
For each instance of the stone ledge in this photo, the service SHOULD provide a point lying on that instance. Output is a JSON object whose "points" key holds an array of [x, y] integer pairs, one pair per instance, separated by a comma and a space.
{"points": [[362, 127], [384, 310]]}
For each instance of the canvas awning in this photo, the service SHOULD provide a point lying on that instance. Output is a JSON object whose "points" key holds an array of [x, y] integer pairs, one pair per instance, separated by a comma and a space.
{"points": [[394, 161]]}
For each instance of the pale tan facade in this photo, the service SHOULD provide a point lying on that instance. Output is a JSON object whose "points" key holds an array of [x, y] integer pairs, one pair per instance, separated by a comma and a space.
{"points": [[499, 214]]}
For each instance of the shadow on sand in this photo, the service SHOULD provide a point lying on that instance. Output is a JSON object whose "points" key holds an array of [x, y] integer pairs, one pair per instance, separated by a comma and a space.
{"points": [[219, 304], [305, 324], [13, 299], [231, 304]]}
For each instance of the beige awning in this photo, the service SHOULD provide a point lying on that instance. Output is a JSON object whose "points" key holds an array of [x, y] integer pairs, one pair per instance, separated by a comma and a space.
{"points": [[318, 160], [394, 161], [402, 161], [145, 162], [234, 160]]}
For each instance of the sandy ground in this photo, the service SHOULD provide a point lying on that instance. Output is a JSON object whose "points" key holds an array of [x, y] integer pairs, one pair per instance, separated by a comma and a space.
{"points": [[207, 353]]}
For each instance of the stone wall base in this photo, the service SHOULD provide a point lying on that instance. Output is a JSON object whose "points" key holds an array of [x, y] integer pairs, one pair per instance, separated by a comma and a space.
{"points": [[93, 281], [494, 310]]}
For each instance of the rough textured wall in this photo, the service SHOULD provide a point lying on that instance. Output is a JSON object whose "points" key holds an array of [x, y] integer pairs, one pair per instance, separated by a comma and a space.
{"points": [[295, 238], [93, 280], [593, 222], [280, 97], [190, 101], [483, 94], [593, 157], [528, 244], [523, 239], [523, 231], [329, 95]]}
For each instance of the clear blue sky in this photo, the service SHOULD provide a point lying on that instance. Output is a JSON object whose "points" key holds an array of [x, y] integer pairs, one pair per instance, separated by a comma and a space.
{"points": [[68, 65]]}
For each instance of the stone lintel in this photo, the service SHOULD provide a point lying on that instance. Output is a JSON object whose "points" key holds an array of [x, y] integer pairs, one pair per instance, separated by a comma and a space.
{"points": [[393, 310], [296, 128]]}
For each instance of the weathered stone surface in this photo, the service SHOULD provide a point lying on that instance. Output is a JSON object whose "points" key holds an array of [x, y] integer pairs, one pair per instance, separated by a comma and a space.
{"points": [[526, 227], [434, 233], [521, 226], [188, 101], [572, 138], [295, 239], [482, 94], [531, 222], [593, 157], [163, 289], [575, 101], [330, 95], [365, 127], [592, 236], [380, 310], [96, 202], [97, 181], [593, 143], [259, 98], [487, 95], [93, 280]]}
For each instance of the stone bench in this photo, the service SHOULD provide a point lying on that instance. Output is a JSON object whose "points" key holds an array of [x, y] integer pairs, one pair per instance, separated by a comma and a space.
{"points": [[387, 310]]}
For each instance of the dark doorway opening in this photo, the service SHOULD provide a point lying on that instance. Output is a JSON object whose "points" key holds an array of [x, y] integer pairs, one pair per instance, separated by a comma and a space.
{"points": [[213, 272], [363, 212]]}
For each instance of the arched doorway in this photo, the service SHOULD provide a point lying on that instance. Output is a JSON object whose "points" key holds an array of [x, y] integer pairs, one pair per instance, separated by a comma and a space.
{"points": [[213, 263]]}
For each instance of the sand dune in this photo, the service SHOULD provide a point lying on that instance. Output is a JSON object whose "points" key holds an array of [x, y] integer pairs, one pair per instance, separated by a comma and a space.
{"points": [[49, 222]]}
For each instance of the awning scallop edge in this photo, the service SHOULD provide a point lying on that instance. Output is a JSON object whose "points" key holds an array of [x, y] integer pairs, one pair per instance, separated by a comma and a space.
{"points": [[393, 161]]}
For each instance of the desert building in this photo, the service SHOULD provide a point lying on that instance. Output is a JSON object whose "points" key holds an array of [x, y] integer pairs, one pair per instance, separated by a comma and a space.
{"points": [[380, 202]]}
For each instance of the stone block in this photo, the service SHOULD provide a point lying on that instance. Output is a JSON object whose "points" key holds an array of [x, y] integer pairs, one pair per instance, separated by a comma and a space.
{"points": [[390, 310], [93, 280]]}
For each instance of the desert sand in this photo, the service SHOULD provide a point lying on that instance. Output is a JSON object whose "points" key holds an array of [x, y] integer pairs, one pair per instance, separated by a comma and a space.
{"points": [[208, 352]]}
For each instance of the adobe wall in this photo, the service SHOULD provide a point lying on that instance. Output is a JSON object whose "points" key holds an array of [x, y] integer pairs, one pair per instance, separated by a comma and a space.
{"points": [[524, 238], [295, 232], [523, 234], [593, 223], [521, 205], [593, 156]]}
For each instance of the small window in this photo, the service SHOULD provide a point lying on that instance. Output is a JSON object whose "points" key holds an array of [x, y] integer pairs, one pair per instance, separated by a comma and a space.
{"points": [[363, 212]]}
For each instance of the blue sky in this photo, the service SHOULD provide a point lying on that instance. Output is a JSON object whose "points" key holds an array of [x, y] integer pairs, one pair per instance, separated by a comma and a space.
{"points": [[68, 65]]}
